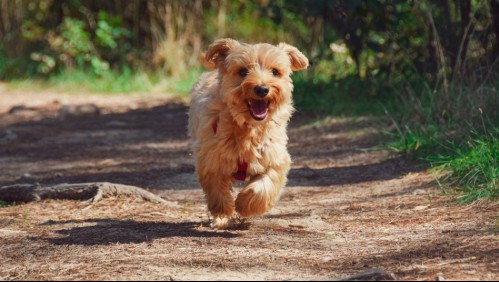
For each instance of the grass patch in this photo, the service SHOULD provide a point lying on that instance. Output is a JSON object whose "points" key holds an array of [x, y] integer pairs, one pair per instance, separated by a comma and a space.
{"points": [[439, 126], [423, 139], [469, 165], [6, 204], [112, 82], [472, 167]]}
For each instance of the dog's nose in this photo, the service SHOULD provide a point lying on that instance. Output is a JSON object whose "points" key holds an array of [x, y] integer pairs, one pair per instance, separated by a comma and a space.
{"points": [[261, 90]]}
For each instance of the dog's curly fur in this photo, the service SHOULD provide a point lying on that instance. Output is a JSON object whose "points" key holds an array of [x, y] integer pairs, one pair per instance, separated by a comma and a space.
{"points": [[239, 113]]}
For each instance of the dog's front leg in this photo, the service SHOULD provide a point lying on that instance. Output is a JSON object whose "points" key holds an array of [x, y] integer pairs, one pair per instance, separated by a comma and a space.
{"points": [[218, 192], [263, 190]]}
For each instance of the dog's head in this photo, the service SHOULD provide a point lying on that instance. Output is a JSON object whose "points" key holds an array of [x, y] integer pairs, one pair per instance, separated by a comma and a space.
{"points": [[255, 79]]}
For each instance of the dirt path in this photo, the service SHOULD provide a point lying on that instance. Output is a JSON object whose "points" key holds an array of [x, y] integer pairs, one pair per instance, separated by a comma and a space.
{"points": [[347, 207]]}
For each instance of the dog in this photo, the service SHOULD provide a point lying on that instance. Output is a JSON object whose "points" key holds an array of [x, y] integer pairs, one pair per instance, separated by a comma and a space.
{"points": [[238, 117]]}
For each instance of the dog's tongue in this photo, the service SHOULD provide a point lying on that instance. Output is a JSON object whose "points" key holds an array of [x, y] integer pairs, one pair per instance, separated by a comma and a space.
{"points": [[259, 108]]}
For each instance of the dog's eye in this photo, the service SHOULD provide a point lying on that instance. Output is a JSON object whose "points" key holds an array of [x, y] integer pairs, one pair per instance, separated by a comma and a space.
{"points": [[243, 72], [275, 72]]}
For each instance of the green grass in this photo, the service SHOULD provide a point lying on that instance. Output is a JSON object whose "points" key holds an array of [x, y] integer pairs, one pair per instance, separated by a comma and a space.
{"points": [[112, 82], [472, 167], [453, 129], [468, 164], [409, 140], [5, 204]]}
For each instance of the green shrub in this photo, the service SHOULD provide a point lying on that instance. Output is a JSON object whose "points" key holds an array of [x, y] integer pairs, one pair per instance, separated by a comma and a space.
{"points": [[472, 167], [456, 131]]}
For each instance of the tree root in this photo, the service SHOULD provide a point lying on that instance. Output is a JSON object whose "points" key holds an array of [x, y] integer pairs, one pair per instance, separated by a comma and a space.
{"points": [[91, 192]]}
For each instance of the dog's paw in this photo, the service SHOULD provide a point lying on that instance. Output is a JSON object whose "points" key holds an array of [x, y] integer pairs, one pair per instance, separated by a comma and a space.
{"points": [[235, 222], [251, 204], [222, 223]]}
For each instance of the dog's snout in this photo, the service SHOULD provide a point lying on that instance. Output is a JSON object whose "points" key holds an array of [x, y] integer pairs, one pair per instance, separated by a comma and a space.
{"points": [[261, 90]]}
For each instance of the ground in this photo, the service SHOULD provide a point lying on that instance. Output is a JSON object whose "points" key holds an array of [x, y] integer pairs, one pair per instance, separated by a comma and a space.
{"points": [[349, 205]]}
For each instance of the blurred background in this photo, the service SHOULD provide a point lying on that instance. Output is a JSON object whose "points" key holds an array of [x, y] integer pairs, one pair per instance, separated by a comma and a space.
{"points": [[356, 47], [431, 67]]}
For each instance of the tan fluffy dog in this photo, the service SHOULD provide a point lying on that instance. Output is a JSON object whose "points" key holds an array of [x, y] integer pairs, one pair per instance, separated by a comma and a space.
{"points": [[237, 121]]}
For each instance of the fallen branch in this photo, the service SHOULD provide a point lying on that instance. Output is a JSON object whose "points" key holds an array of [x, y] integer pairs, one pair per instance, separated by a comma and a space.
{"points": [[91, 192]]}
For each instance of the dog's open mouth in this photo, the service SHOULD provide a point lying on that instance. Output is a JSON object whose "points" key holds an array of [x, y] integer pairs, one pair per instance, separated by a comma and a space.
{"points": [[258, 108]]}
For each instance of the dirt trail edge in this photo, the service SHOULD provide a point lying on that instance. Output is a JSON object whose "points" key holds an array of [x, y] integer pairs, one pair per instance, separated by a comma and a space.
{"points": [[348, 207]]}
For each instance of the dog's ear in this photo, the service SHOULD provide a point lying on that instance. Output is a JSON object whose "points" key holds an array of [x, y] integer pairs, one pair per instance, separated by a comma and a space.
{"points": [[298, 60], [218, 51], [210, 65]]}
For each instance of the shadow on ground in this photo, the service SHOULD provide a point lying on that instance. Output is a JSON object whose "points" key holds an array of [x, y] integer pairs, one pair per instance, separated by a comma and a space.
{"points": [[149, 147], [111, 231], [384, 170], [405, 260]]}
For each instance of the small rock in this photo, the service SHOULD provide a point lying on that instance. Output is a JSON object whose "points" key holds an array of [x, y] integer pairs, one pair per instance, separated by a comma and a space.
{"points": [[439, 278], [49, 222]]}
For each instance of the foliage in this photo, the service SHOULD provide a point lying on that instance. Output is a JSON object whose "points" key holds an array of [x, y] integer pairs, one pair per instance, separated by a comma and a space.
{"points": [[347, 96], [436, 127], [125, 81], [386, 38], [70, 45]]}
